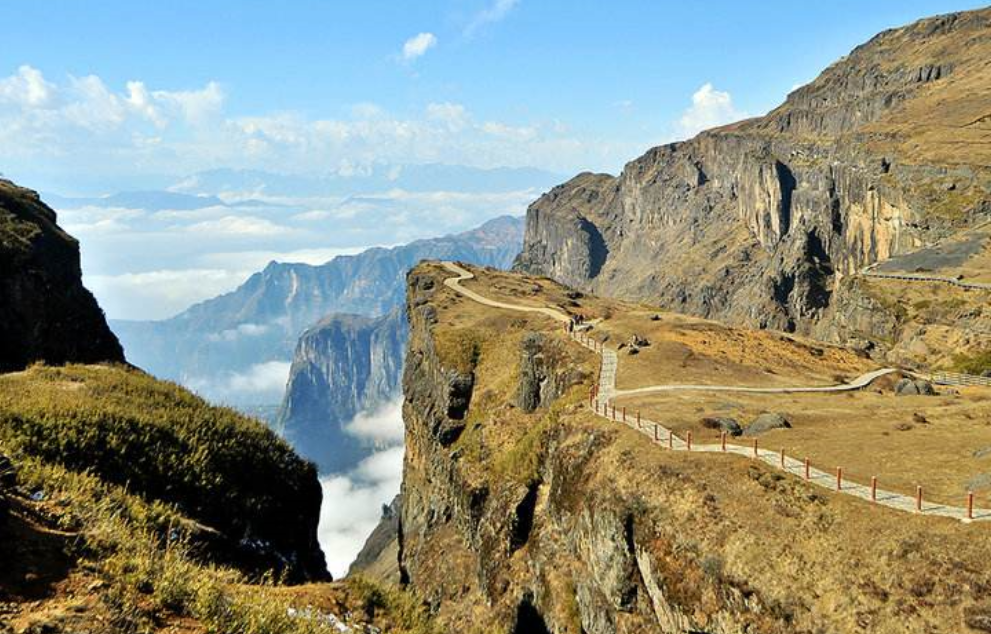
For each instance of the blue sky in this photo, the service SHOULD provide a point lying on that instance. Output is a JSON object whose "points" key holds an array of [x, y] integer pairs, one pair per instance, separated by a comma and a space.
{"points": [[562, 85], [113, 95]]}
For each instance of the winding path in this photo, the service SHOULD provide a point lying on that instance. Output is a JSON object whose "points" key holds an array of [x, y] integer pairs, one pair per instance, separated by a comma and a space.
{"points": [[665, 437]]}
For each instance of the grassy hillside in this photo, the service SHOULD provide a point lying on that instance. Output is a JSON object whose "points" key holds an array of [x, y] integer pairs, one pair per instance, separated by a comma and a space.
{"points": [[160, 441], [138, 507], [576, 524], [83, 555]]}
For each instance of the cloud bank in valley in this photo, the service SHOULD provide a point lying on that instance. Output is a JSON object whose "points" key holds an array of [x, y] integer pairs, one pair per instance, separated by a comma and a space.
{"points": [[352, 502]]}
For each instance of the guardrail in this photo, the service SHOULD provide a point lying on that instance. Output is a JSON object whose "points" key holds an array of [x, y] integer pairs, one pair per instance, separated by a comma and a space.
{"points": [[980, 286], [600, 401], [956, 378]]}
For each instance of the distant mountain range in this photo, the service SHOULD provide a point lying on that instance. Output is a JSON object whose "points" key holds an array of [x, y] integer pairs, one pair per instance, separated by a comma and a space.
{"points": [[233, 348], [151, 200]]}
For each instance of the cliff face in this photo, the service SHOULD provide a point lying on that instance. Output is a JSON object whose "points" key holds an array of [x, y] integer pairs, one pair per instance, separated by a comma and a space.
{"points": [[554, 521], [262, 320], [760, 222], [45, 312], [342, 365]]}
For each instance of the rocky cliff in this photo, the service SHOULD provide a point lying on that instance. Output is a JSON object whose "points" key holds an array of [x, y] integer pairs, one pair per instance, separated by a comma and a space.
{"points": [[342, 365], [552, 520], [765, 222], [45, 312], [214, 342]]}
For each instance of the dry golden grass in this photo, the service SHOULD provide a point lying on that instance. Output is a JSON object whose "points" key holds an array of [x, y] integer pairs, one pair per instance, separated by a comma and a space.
{"points": [[903, 440], [712, 524], [868, 432]]}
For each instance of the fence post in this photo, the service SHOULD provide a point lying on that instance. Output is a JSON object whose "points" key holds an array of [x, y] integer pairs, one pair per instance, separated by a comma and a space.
{"points": [[689, 440], [755, 449], [722, 440], [657, 432], [614, 411], [624, 413], [970, 505], [782, 457], [670, 439], [918, 499], [808, 468], [638, 418], [596, 407], [839, 478], [873, 488]]}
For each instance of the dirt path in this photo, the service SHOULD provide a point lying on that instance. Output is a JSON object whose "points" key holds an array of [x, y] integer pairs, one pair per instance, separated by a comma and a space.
{"points": [[664, 437]]}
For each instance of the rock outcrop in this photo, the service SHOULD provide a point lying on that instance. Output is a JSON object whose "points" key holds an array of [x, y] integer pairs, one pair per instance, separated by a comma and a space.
{"points": [[763, 222], [46, 314], [765, 423], [543, 377], [261, 321], [557, 521], [342, 365], [378, 558]]}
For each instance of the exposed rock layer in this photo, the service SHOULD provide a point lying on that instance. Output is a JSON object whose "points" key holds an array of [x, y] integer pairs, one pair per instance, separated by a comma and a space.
{"points": [[45, 312], [761, 222], [342, 365], [555, 521], [260, 322]]}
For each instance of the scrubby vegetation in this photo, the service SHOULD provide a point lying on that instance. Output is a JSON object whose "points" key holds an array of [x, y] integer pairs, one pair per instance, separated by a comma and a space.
{"points": [[148, 573], [975, 363], [164, 443]]}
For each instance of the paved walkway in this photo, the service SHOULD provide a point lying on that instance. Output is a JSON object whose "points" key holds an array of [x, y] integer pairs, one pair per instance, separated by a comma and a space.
{"points": [[909, 277], [663, 436]]}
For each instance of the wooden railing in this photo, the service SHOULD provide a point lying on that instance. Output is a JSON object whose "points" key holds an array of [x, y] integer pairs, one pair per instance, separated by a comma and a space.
{"points": [[956, 378]]}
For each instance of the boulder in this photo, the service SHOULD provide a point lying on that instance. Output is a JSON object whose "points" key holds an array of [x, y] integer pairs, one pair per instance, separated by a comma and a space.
{"points": [[723, 423], [914, 387], [766, 422]]}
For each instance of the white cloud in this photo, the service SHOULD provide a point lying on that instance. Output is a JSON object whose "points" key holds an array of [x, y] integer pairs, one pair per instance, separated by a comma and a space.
{"points": [[514, 133], [352, 506], [452, 115], [710, 108], [242, 331], [157, 294], [383, 425], [82, 125], [196, 106], [27, 88], [495, 12], [270, 376], [417, 45], [239, 226], [260, 384]]}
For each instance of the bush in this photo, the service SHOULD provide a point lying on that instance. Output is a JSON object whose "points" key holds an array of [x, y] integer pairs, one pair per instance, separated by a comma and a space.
{"points": [[162, 442]]}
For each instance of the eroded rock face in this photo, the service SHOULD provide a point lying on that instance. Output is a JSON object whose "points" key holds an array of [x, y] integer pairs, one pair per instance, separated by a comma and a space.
{"points": [[46, 314], [342, 365], [379, 556], [552, 521], [759, 222], [543, 377]]}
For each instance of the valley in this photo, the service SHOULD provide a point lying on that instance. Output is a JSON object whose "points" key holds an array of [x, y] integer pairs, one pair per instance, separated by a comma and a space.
{"points": [[742, 385]]}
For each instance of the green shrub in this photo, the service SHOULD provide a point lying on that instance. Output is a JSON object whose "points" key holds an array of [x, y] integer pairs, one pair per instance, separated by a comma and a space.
{"points": [[157, 439]]}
